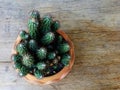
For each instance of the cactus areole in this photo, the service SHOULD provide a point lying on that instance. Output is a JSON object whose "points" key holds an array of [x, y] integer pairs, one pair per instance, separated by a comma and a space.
{"points": [[41, 51]]}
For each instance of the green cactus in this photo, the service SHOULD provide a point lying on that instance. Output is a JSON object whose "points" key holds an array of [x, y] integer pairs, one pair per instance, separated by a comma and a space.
{"points": [[23, 71], [48, 38], [41, 53], [17, 65], [24, 35], [38, 74], [51, 55], [33, 28], [65, 59], [28, 60], [55, 26], [41, 65], [46, 24], [35, 14], [22, 48], [33, 45], [16, 57], [59, 39], [63, 48], [55, 67]]}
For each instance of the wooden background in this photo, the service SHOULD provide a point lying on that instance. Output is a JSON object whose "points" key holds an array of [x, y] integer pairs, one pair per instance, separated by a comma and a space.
{"points": [[92, 25]]}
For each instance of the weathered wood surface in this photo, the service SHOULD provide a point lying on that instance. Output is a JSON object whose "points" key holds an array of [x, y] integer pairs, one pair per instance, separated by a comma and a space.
{"points": [[93, 26]]}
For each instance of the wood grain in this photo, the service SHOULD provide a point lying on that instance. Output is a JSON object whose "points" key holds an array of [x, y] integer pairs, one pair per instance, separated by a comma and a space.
{"points": [[92, 25]]}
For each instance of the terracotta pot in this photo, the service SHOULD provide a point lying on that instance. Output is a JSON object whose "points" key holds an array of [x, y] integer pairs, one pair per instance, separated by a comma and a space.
{"points": [[58, 76]]}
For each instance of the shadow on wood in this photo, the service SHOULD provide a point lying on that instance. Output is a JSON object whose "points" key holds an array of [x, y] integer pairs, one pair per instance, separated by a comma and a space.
{"points": [[97, 59]]}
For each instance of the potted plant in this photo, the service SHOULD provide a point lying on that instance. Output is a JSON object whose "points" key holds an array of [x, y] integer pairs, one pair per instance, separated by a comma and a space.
{"points": [[43, 54]]}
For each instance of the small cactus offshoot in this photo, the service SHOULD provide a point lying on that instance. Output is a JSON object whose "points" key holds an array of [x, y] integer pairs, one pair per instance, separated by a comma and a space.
{"points": [[42, 51], [33, 45], [38, 74], [59, 39], [51, 55], [33, 28], [46, 24], [24, 35], [65, 59], [21, 48], [28, 60], [48, 38], [35, 14], [23, 71], [41, 65], [55, 25], [63, 48], [16, 58]]}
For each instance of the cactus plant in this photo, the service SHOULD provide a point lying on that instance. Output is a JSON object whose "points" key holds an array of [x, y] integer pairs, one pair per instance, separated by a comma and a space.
{"points": [[51, 55], [33, 28], [17, 65], [16, 57], [46, 24], [35, 14], [33, 45], [23, 71], [63, 48], [55, 25], [59, 39], [28, 60], [38, 74], [47, 38], [65, 59], [21, 48], [41, 65], [24, 35], [41, 53]]}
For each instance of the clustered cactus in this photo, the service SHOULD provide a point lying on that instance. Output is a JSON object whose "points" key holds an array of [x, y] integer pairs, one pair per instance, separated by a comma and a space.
{"points": [[41, 51]]}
